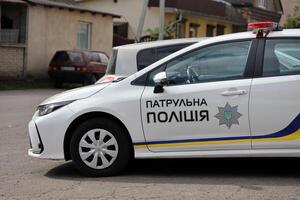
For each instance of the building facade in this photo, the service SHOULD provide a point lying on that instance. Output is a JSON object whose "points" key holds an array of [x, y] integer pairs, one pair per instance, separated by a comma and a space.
{"points": [[289, 9], [33, 30], [188, 18]]}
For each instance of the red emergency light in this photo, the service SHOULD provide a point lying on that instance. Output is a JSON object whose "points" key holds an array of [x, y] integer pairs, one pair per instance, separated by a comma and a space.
{"points": [[263, 27]]}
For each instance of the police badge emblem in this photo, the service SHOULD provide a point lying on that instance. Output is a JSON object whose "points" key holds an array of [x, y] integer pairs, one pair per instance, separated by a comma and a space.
{"points": [[228, 115]]}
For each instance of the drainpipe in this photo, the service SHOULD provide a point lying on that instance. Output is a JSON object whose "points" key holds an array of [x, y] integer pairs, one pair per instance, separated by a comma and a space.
{"points": [[161, 19], [0, 19], [139, 30]]}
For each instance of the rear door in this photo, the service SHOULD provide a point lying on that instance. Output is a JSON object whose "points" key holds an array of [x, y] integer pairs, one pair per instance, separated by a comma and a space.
{"points": [[275, 95]]}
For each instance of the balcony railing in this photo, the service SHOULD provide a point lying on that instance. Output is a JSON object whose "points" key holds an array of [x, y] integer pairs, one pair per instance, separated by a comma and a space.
{"points": [[9, 36]]}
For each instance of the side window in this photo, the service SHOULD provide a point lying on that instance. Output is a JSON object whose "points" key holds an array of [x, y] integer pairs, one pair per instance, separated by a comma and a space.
{"points": [[145, 58], [95, 57], [215, 63], [76, 57], [282, 57], [104, 58]]}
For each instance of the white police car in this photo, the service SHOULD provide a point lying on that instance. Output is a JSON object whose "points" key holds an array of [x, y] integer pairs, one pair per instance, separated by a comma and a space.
{"points": [[236, 95]]}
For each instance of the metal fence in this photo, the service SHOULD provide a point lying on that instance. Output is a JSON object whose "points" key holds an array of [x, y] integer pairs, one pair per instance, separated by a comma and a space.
{"points": [[9, 36]]}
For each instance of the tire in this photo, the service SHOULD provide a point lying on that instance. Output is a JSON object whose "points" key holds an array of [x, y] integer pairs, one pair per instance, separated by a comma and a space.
{"points": [[91, 80], [110, 133], [58, 84]]}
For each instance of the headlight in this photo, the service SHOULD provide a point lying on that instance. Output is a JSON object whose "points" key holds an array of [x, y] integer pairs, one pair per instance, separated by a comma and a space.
{"points": [[49, 108]]}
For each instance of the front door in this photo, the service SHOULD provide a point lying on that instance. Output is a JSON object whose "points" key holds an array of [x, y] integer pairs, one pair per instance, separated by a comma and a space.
{"points": [[205, 105]]}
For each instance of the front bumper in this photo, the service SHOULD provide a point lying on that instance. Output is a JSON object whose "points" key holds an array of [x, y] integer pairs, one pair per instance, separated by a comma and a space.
{"points": [[36, 145], [47, 134]]}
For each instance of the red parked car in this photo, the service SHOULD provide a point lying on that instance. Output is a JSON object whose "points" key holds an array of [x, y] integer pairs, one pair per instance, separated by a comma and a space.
{"points": [[77, 66]]}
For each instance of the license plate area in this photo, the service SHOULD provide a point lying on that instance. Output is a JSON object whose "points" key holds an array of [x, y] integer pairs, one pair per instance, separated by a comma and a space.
{"points": [[67, 68]]}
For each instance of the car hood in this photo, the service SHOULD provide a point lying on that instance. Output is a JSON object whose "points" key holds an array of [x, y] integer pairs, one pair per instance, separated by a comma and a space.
{"points": [[75, 94]]}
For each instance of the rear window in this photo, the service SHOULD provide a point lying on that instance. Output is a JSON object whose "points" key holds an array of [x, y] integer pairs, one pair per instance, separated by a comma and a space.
{"points": [[60, 57], [64, 56], [149, 56], [111, 67]]}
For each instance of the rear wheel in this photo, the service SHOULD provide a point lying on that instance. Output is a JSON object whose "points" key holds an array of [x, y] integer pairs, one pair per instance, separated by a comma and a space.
{"points": [[91, 80], [100, 147], [58, 83]]}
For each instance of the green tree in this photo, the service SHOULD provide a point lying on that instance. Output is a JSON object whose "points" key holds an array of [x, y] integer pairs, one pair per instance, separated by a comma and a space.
{"points": [[154, 33], [293, 21]]}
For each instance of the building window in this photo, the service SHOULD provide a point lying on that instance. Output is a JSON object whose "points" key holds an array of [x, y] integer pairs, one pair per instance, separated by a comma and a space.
{"points": [[84, 35], [193, 30], [210, 30], [262, 3], [220, 29], [12, 23]]}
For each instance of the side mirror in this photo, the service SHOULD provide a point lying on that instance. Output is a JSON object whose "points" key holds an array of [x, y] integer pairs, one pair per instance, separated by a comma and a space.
{"points": [[160, 81]]}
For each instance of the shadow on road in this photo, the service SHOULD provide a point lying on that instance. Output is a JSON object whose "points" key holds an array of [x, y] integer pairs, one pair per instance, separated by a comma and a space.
{"points": [[244, 172]]}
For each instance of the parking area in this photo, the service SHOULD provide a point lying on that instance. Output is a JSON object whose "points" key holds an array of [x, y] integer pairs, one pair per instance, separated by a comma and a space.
{"points": [[22, 177]]}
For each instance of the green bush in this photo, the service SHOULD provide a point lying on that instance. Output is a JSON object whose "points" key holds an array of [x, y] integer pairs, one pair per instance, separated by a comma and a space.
{"points": [[293, 21]]}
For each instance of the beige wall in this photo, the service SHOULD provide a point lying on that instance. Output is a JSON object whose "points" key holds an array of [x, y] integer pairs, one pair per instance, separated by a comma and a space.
{"points": [[11, 61], [52, 29], [288, 9], [130, 10]]}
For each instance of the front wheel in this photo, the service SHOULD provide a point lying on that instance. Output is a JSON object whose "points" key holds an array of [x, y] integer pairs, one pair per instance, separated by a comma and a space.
{"points": [[100, 147]]}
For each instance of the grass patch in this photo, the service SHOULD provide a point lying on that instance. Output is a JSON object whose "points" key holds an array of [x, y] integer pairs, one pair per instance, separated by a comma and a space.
{"points": [[24, 84]]}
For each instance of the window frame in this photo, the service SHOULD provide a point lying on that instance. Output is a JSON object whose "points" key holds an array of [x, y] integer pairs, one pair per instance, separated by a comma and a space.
{"points": [[260, 56], [248, 73], [262, 4], [89, 34]]}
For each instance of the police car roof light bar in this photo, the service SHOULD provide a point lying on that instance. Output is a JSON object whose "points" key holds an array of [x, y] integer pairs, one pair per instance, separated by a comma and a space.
{"points": [[260, 28]]}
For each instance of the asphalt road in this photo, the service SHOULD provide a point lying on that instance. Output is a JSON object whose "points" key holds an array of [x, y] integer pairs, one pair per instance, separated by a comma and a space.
{"points": [[22, 177]]}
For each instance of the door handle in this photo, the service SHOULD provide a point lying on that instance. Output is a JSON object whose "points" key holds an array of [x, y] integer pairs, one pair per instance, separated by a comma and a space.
{"points": [[234, 92]]}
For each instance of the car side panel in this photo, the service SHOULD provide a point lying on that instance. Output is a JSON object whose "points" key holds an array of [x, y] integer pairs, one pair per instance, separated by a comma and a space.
{"points": [[275, 112]]}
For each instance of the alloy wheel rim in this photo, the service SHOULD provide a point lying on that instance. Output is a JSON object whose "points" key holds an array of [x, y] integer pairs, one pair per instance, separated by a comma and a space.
{"points": [[98, 148]]}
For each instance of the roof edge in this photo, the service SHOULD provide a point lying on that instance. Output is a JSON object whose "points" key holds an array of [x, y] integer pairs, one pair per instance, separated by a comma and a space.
{"points": [[70, 7]]}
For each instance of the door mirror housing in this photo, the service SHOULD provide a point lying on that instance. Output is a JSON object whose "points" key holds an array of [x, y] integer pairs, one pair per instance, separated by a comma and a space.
{"points": [[160, 81]]}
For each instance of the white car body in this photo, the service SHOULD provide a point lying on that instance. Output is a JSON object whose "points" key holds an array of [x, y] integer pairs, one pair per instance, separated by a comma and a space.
{"points": [[268, 124], [124, 59]]}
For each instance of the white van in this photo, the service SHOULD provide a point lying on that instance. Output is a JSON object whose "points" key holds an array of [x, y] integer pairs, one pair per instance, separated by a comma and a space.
{"points": [[128, 59]]}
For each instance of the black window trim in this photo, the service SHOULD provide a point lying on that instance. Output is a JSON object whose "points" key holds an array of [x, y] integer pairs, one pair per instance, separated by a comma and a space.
{"points": [[249, 69], [259, 64]]}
